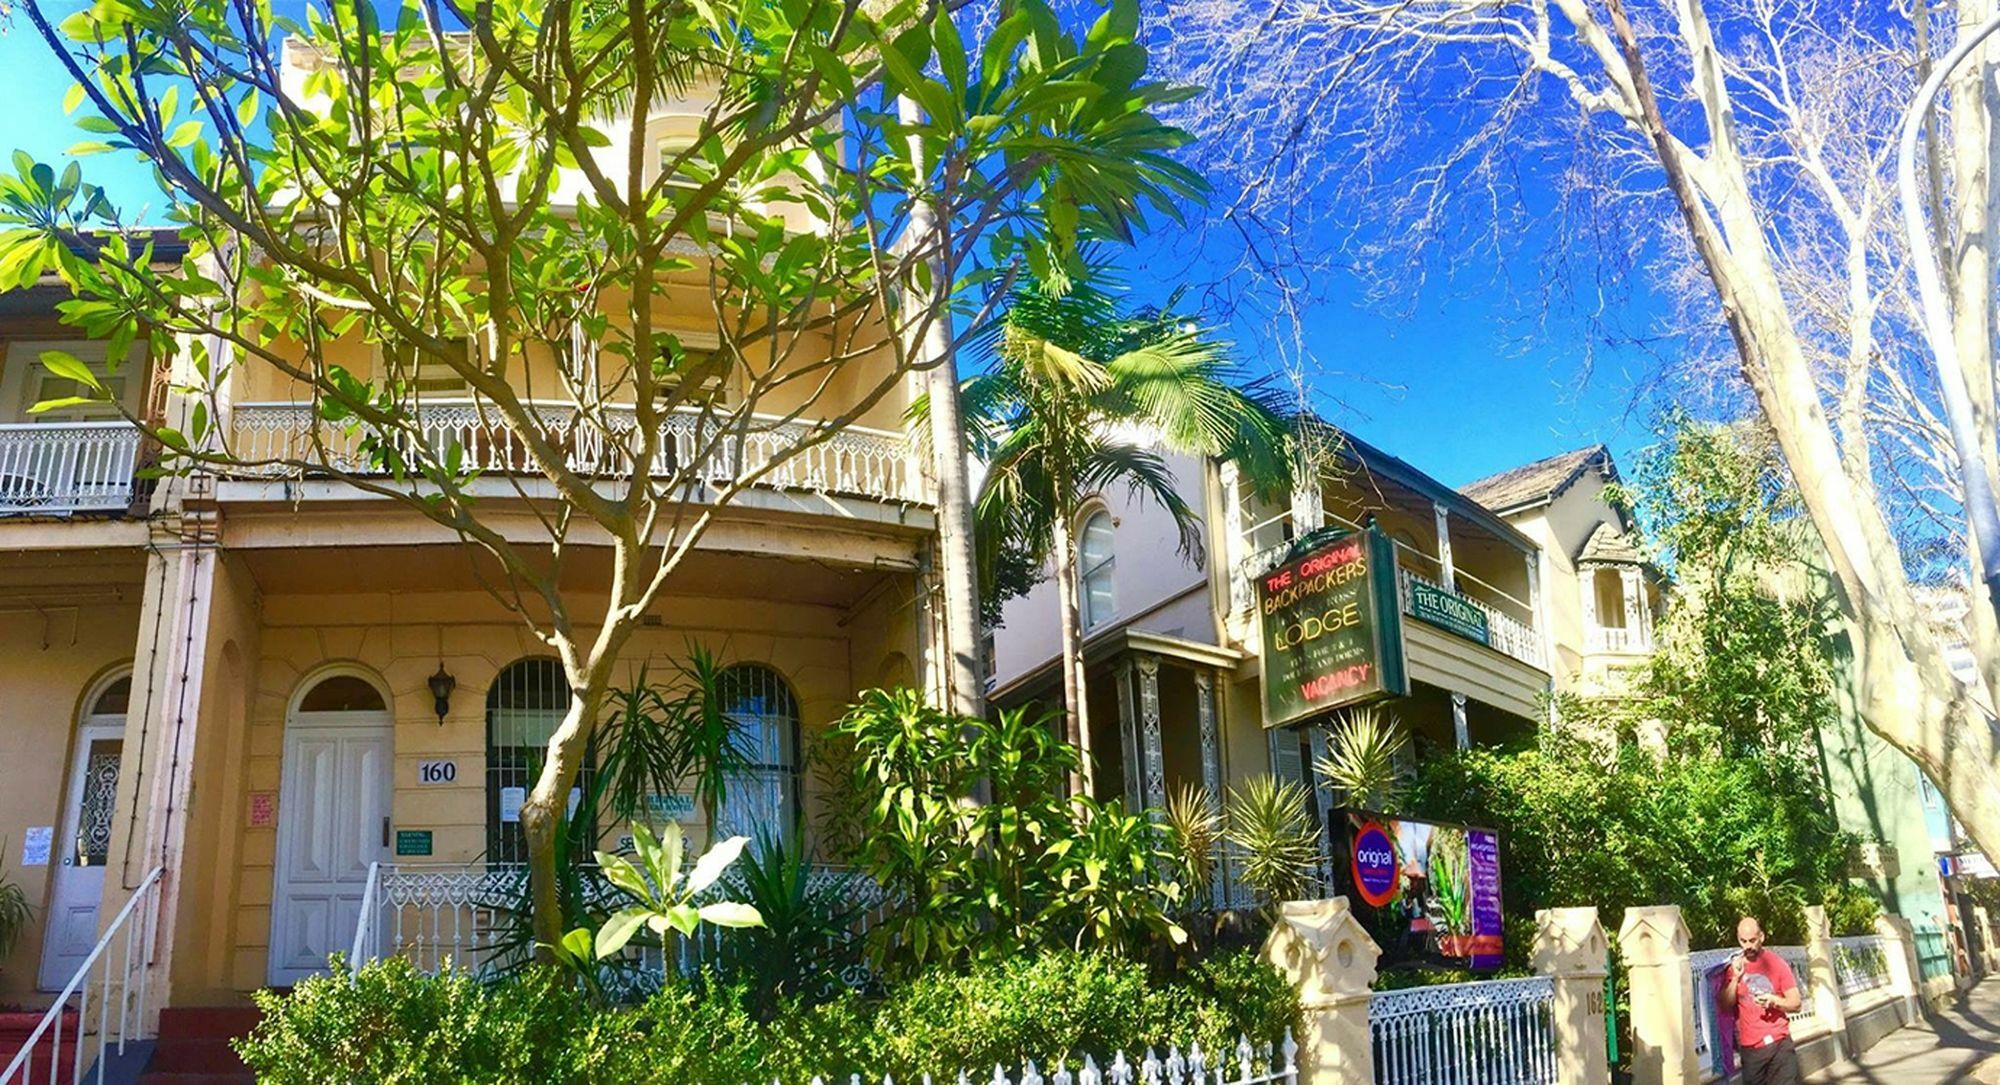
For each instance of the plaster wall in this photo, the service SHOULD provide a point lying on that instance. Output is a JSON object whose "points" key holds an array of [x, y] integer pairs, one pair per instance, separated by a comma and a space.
{"points": [[51, 660]]}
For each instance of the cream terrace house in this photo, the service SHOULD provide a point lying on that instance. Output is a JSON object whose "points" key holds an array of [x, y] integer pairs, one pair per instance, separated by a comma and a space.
{"points": [[1520, 584], [283, 718]]}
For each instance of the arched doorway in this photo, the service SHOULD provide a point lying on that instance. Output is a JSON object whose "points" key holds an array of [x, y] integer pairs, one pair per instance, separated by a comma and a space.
{"points": [[81, 851], [333, 819]]}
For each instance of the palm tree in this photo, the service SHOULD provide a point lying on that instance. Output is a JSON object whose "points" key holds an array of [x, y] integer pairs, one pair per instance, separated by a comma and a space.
{"points": [[1081, 397]]}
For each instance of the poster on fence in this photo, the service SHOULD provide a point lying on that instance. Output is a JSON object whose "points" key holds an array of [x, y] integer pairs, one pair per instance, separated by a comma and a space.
{"points": [[1428, 892]]}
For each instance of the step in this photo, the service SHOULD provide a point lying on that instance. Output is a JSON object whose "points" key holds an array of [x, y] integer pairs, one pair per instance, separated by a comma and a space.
{"points": [[209, 1022], [155, 1077], [180, 1055]]}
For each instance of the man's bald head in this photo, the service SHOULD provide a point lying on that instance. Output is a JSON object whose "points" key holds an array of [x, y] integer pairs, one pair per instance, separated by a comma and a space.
{"points": [[1750, 936]]}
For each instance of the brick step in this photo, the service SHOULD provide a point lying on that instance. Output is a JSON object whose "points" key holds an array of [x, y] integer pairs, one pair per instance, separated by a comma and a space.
{"points": [[155, 1077], [176, 1055], [209, 1022]]}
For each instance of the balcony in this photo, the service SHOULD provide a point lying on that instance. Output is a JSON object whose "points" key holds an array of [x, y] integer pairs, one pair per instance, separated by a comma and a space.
{"points": [[1605, 640], [63, 468], [853, 462], [1505, 633]]}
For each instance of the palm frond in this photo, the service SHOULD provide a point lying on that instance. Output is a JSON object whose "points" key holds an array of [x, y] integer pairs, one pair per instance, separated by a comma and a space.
{"points": [[1363, 749], [1148, 478]]}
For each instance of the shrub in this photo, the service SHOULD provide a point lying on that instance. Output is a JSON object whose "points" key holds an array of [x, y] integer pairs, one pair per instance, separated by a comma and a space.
{"points": [[387, 1022]]}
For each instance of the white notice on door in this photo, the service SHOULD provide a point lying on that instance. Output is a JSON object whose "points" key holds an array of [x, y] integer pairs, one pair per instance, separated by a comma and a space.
{"points": [[35, 845], [510, 802]]}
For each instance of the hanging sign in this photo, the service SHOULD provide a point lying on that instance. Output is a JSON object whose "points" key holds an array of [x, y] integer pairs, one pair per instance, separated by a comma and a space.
{"points": [[1450, 611], [1333, 634]]}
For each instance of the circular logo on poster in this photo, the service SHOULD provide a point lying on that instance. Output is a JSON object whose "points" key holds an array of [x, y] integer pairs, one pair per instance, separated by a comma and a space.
{"points": [[1374, 863]]}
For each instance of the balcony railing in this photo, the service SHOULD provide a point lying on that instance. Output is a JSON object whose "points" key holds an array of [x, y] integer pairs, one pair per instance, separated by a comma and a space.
{"points": [[1613, 641], [1504, 632], [66, 467], [855, 461]]}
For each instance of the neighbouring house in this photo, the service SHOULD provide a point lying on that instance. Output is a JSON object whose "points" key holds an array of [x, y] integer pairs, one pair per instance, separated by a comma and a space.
{"points": [[1172, 642], [228, 678]]}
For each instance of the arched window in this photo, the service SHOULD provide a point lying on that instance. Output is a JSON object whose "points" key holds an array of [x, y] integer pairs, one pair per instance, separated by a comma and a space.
{"points": [[1095, 564], [343, 693], [113, 700], [766, 714], [523, 709]]}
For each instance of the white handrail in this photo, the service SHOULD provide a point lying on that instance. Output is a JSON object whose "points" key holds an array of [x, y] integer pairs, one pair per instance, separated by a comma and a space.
{"points": [[365, 925], [21, 1069]]}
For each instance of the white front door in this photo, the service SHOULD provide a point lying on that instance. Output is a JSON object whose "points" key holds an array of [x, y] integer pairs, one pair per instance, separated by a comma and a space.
{"points": [[80, 852], [333, 820]]}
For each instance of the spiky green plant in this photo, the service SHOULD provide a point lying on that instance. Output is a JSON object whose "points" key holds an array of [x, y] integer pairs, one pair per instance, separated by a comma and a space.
{"points": [[1363, 747], [1267, 819], [1193, 830]]}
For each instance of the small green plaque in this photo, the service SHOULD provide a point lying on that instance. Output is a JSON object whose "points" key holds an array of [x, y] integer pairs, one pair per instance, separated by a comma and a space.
{"points": [[413, 841], [1449, 610]]}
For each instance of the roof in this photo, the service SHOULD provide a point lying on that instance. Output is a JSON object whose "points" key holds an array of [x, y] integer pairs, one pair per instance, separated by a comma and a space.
{"points": [[1369, 457], [1540, 482], [1609, 546]]}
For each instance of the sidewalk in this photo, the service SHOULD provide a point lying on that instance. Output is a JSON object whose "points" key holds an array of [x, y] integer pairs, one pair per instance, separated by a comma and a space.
{"points": [[1945, 1048]]}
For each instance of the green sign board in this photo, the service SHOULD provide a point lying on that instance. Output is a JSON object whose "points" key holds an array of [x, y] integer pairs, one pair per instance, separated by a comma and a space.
{"points": [[1333, 634], [413, 841], [1448, 610]]}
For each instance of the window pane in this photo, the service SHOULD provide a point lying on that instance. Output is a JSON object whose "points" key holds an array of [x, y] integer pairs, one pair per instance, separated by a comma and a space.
{"points": [[1099, 604], [1096, 546], [523, 709], [92, 845], [342, 693], [766, 714], [113, 701]]}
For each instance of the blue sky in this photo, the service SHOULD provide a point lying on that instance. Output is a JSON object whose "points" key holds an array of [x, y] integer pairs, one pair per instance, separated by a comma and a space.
{"points": [[1460, 386]]}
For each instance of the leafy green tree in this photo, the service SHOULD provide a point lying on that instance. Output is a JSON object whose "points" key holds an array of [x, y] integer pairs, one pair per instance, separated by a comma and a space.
{"points": [[1080, 398], [464, 189]]}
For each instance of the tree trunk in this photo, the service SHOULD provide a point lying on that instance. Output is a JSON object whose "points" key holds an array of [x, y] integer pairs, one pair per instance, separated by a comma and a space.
{"points": [[965, 685], [545, 811], [1075, 707], [1907, 693]]}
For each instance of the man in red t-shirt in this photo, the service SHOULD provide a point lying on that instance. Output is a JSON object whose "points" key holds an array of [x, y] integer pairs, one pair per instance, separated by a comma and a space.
{"points": [[1761, 989]]}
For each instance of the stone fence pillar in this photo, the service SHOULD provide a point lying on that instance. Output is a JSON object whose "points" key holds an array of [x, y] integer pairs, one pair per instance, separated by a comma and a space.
{"points": [[1654, 943], [1570, 948], [1905, 978], [1822, 978], [1322, 950]]}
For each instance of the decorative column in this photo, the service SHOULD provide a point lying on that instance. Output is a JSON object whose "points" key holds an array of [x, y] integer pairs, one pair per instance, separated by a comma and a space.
{"points": [[1539, 607], [1586, 582], [1905, 978], [1823, 978], [1211, 770], [1571, 950], [1461, 730], [1308, 506], [1638, 633], [1152, 761], [1319, 947], [1447, 572], [1654, 942], [1128, 732]]}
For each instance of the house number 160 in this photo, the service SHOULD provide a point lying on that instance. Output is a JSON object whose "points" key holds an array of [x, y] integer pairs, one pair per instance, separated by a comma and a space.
{"points": [[437, 772]]}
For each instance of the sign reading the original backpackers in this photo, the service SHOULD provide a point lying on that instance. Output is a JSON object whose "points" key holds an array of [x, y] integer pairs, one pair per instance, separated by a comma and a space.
{"points": [[1333, 635], [1448, 610]]}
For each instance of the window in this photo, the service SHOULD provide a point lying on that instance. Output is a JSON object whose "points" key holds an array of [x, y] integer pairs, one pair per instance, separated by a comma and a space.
{"points": [[523, 709], [343, 693], [691, 356], [766, 714], [114, 699], [1095, 564], [1610, 598]]}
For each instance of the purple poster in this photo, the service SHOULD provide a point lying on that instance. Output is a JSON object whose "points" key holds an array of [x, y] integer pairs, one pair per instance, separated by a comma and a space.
{"points": [[1484, 850]]}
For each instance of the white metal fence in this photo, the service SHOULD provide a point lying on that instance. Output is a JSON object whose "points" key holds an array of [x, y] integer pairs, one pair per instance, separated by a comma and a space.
{"points": [[854, 460], [111, 986], [1494, 1032], [1861, 963], [1504, 633], [1249, 1064], [473, 916], [67, 467]]}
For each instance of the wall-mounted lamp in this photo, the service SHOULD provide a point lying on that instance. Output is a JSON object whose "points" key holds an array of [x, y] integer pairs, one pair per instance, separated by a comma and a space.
{"points": [[441, 685]]}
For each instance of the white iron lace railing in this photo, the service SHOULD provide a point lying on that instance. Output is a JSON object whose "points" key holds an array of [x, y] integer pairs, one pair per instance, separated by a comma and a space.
{"points": [[1248, 1064], [853, 461], [1615, 641], [1704, 965], [112, 983], [1861, 963], [1504, 633], [1490, 1032], [64, 467], [473, 916]]}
